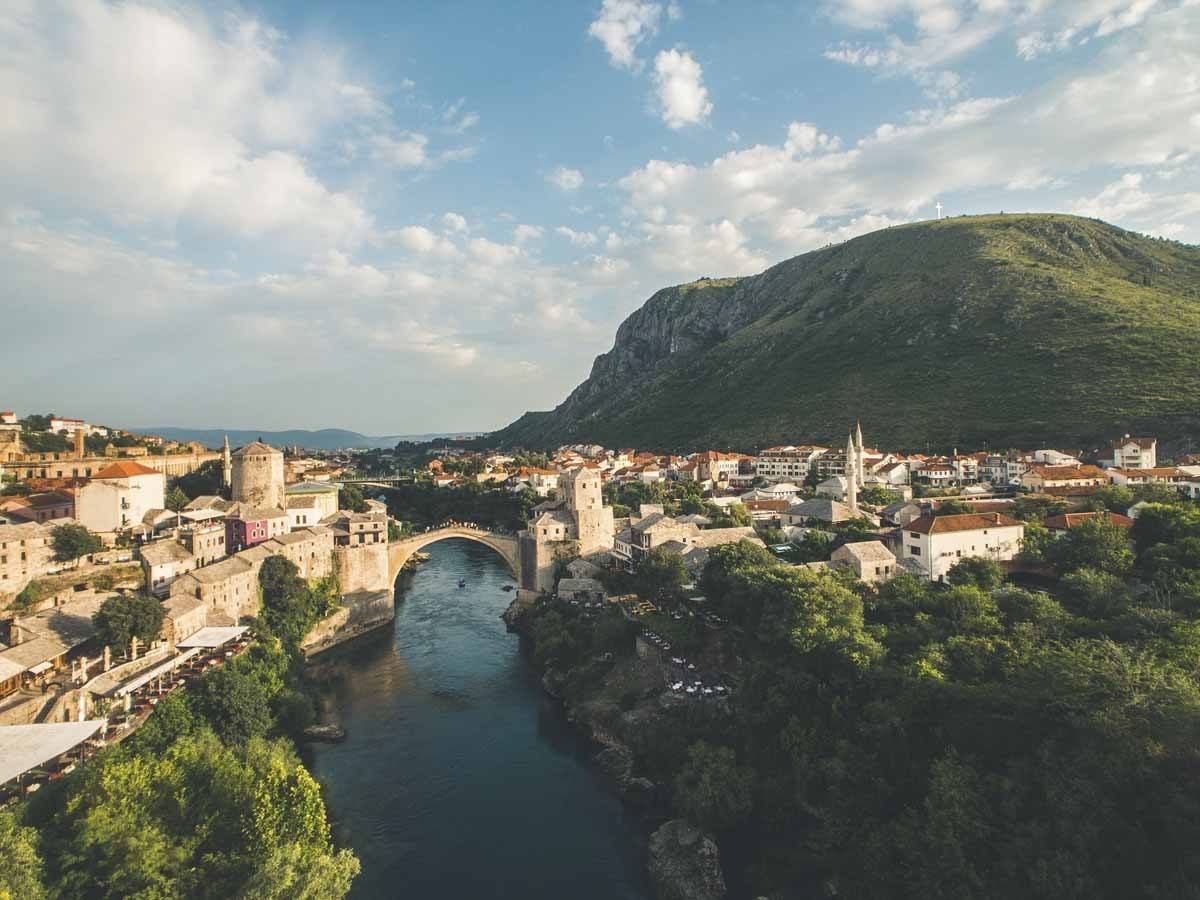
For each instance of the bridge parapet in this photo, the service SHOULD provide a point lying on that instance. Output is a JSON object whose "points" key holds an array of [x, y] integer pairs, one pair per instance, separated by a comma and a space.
{"points": [[400, 551]]}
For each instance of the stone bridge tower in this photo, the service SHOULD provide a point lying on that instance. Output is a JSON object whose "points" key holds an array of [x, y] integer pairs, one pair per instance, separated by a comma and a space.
{"points": [[585, 503]]}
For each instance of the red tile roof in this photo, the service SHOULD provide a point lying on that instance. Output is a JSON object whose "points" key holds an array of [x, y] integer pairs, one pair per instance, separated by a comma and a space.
{"points": [[1070, 520], [126, 468], [962, 522]]}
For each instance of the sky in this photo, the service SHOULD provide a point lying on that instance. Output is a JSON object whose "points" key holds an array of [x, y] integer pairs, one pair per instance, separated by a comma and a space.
{"points": [[418, 216]]}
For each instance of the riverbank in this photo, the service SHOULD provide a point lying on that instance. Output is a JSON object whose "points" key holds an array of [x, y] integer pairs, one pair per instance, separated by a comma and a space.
{"points": [[616, 693]]}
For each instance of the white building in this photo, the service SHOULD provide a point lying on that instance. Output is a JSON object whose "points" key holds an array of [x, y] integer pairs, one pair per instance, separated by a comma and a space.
{"points": [[119, 496], [1132, 453], [787, 461], [70, 426], [932, 545]]}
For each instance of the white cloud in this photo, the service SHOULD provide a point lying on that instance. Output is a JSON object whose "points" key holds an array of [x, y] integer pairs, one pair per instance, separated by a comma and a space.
{"points": [[566, 179], [232, 109], [491, 253], [404, 151], [452, 221], [422, 241], [679, 83], [577, 238], [523, 234], [622, 25]]}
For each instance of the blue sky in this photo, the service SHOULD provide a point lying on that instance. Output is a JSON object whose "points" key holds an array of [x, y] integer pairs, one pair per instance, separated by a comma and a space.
{"points": [[411, 217]]}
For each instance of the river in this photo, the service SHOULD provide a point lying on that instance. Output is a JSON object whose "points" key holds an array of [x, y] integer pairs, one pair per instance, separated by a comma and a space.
{"points": [[459, 779]]}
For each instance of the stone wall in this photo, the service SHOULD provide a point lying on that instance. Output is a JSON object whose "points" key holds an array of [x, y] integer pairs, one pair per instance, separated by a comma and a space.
{"points": [[362, 611], [363, 567]]}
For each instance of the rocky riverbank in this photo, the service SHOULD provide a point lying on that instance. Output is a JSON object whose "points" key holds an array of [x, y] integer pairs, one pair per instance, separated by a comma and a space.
{"points": [[621, 703]]}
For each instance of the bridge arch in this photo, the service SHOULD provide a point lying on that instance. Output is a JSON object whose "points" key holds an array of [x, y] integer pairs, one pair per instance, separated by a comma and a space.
{"points": [[399, 552]]}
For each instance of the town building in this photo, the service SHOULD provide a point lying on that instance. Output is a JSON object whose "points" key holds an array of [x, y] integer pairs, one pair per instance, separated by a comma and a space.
{"points": [[933, 544], [162, 563], [119, 496], [25, 554], [1131, 453], [870, 561], [787, 461], [1048, 479], [576, 524], [246, 526]]}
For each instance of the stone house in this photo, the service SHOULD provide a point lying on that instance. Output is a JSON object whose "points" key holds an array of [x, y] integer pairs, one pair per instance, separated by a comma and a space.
{"points": [[870, 561]]}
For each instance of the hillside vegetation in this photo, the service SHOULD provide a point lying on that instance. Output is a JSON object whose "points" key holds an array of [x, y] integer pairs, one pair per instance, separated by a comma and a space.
{"points": [[1006, 329]]}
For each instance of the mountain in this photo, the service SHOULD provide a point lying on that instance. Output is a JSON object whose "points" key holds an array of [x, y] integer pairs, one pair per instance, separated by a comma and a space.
{"points": [[1004, 330], [323, 439]]}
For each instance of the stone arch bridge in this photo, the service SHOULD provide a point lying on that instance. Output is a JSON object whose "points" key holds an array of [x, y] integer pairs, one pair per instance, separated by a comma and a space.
{"points": [[400, 551]]}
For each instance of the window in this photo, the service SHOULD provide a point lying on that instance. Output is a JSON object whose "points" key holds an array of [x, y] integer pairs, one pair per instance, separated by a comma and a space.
{"points": [[915, 551], [913, 534]]}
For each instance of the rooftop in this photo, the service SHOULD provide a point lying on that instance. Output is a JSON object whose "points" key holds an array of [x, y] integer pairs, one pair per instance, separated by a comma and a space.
{"points": [[962, 522], [125, 468]]}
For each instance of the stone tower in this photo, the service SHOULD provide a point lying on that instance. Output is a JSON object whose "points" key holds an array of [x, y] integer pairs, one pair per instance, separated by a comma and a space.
{"points": [[80, 443], [585, 503], [256, 476], [851, 474], [226, 465]]}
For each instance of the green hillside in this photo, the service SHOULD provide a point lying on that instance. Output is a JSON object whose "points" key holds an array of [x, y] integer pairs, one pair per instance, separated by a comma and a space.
{"points": [[1006, 330]]}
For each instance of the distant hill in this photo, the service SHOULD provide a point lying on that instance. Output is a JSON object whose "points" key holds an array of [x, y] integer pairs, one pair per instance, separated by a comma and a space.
{"points": [[1006, 330], [324, 439]]}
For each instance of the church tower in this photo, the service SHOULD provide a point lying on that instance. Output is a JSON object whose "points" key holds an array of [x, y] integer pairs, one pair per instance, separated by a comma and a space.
{"points": [[226, 464], [851, 474]]}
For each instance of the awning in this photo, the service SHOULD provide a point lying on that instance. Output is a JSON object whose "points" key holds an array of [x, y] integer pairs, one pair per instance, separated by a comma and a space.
{"points": [[25, 747], [150, 674], [213, 636], [39, 668]]}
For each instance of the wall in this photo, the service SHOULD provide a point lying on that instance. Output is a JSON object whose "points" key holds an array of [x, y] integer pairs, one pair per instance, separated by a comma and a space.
{"points": [[363, 567], [363, 611]]}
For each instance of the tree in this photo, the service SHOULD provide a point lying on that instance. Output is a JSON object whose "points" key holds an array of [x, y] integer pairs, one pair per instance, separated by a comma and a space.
{"points": [[877, 495], [711, 789], [73, 541], [1098, 544], [207, 480], [953, 507], [289, 607], [1097, 595], [177, 500], [977, 571], [20, 863], [661, 572], [123, 617], [351, 498], [235, 703]]}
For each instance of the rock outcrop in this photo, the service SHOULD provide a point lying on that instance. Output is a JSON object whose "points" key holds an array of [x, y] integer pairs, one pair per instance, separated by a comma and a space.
{"points": [[685, 864]]}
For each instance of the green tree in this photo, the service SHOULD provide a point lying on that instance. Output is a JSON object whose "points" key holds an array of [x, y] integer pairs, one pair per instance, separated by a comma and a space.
{"points": [[207, 480], [351, 497], [660, 573], [72, 541], [711, 789], [876, 495], [177, 500], [1094, 544], [20, 862], [1095, 594], [953, 507], [977, 571], [235, 703], [123, 617]]}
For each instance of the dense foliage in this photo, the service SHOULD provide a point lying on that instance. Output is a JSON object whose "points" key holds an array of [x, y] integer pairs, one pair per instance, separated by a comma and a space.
{"points": [[956, 325], [207, 799], [971, 740], [206, 481]]}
